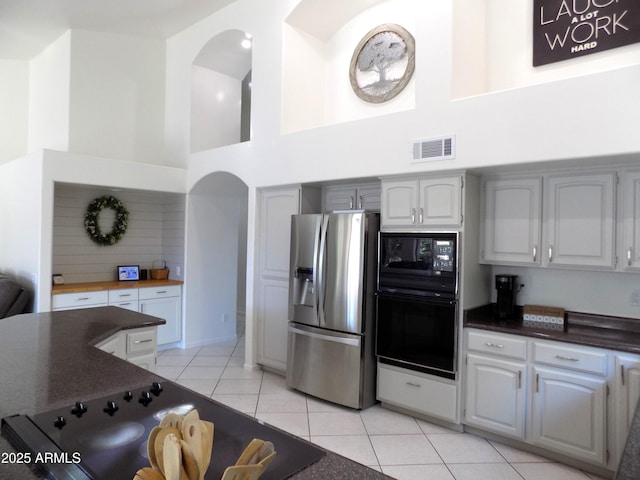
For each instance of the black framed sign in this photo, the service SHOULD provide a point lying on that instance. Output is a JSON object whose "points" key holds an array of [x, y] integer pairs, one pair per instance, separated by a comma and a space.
{"points": [[564, 29]]}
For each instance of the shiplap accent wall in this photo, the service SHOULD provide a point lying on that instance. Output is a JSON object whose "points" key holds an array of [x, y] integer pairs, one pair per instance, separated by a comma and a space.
{"points": [[155, 231]]}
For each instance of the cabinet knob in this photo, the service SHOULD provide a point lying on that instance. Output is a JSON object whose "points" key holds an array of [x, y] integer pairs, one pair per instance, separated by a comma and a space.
{"points": [[629, 256], [550, 253]]}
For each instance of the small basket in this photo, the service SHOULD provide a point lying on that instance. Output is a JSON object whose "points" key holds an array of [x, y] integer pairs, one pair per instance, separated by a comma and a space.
{"points": [[159, 273]]}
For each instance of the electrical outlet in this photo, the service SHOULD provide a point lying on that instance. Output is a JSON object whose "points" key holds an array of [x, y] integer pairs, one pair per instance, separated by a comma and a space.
{"points": [[225, 317], [635, 298], [178, 270]]}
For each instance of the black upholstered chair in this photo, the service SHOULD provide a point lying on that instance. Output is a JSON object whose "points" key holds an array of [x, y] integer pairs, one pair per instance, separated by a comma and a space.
{"points": [[13, 298]]}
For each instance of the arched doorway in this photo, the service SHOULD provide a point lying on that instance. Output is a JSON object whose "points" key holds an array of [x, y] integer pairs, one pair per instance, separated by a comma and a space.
{"points": [[216, 253]]}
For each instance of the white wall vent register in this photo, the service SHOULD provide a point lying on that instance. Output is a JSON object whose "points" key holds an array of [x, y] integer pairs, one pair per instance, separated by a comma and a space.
{"points": [[434, 149]]}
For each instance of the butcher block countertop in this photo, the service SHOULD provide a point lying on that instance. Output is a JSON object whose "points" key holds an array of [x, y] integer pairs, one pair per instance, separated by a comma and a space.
{"points": [[47, 361], [113, 285]]}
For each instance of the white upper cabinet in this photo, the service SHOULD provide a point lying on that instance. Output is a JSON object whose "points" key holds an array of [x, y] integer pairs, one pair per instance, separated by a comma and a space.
{"points": [[512, 220], [276, 208], [440, 201], [630, 248], [351, 197], [559, 220], [421, 202], [580, 220]]}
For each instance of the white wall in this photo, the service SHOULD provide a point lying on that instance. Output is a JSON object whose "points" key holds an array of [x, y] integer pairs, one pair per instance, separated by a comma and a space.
{"points": [[117, 96], [14, 108], [49, 96], [605, 293], [215, 109], [22, 198]]}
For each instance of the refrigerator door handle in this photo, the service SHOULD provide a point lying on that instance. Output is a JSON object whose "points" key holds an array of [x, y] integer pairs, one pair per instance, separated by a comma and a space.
{"points": [[320, 295], [354, 342]]}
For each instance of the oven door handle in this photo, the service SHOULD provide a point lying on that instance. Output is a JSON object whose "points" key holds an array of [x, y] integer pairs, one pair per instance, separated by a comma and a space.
{"points": [[417, 298]]}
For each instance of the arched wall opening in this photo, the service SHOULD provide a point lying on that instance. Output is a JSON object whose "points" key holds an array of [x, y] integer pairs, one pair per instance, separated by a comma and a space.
{"points": [[216, 260], [221, 92]]}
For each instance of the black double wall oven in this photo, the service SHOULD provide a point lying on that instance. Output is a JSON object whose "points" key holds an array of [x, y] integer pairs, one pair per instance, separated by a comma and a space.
{"points": [[417, 301]]}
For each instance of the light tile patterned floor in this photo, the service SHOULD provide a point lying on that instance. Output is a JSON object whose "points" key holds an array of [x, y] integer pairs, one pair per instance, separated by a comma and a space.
{"points": [[398, 445]]}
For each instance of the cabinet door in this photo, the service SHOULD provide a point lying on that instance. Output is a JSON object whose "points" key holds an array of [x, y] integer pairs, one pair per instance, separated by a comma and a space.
{"points": [[169, 309], [631, 221], [399, 203], [581, 220], [272, 324], [627, 393], [440, 201], [368, 198], [339, 198], [512, 217], [569, 413], [276, 208], [495, 395]]}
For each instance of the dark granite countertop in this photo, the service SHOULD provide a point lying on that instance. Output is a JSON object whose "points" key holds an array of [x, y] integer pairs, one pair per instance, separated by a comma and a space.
{"points": [[614, 333], [47, 361]]}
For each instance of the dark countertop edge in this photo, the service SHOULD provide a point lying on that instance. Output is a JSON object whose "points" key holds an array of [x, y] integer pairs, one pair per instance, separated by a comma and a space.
{"points": [[593, 330], [332, 465]]}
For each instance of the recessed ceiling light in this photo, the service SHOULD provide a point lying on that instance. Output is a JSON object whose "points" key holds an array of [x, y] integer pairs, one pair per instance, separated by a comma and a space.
{"points": [[246, 43]]}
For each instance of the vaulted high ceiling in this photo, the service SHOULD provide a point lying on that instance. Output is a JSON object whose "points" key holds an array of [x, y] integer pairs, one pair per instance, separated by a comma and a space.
{"points": [[28, 26]]}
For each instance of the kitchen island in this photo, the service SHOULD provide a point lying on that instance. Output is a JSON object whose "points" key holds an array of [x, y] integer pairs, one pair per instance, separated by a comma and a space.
{"points": [[48, 361]]}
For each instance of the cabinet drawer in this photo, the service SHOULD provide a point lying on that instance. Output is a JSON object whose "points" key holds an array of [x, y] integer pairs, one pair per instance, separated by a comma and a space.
{"points": [[574, 358], [123, 295], [79, 300], [415, 392], [159, 292], [141, 340], [496, 344]]}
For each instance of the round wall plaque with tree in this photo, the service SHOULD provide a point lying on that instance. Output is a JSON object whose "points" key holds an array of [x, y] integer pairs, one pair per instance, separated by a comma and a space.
{"points": [[92, 220], [382, 63]]}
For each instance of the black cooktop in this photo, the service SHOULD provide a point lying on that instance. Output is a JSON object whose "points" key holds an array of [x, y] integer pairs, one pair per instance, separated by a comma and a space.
{"points": [[106, 438]]}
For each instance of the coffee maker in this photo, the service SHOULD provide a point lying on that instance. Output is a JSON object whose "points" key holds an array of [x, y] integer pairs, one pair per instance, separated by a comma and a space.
{"points": [[506, 289]]}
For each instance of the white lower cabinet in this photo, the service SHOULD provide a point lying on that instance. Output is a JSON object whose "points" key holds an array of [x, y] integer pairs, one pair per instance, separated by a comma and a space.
{"points": [[569, 413], [272, 328], [418, 392], [74, 301], [166, 303], [138, 346], [163, 301], [549, 394], [626, 395], [126, 298], [495, 395]]}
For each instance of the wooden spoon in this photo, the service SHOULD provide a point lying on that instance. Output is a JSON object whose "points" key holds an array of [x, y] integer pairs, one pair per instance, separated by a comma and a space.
{"points": [[190, 464], [192, 435], [172, 419], [172, 457], [206, 430], [151, 448], [148, 473], [160, 437]]}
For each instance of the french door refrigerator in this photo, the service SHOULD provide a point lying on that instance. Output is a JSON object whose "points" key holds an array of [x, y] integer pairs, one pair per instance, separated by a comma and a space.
{"points": [[331, 307]]}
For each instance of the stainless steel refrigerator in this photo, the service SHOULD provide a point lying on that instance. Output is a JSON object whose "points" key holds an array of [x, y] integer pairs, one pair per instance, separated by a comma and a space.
{"points": [[331, 307]]}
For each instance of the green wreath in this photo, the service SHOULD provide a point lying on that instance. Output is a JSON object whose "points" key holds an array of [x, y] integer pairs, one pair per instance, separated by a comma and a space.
{"points": [[92, 224]]}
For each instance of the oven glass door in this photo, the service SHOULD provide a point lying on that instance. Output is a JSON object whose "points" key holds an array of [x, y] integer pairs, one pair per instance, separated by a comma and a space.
{"points": [[417, 333]]}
